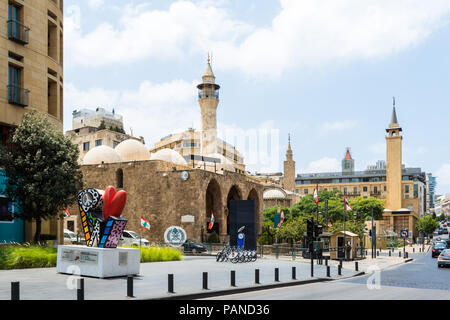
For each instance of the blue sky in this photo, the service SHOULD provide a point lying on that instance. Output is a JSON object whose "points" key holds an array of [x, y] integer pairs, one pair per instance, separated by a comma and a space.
{"points": [[323, 71]]}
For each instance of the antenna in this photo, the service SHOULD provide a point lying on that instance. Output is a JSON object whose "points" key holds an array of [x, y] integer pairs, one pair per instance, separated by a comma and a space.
{"points": [[393, 100]]}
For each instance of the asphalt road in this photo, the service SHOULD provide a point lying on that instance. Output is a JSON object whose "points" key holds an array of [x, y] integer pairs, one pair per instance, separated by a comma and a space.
{"points": [[420, 279]]}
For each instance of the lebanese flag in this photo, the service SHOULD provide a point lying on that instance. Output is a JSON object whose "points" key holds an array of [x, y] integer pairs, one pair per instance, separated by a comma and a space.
{"points": [[316, 196], [281, 219], [346, 204], [145, 224], [211, 223], [66, 213]]}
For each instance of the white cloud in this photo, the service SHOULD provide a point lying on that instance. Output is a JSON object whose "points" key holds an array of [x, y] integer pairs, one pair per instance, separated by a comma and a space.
{"points": [[337, 126], [153, 110], [443, 175], [323, 165], [303, 33]]}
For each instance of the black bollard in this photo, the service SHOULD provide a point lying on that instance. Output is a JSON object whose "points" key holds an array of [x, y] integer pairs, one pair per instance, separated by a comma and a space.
{"points": [[389, 253], [130, 286], [414, 250], [339, 270], [233, 278], [326, 261], [399, 254], [15, 290], [257, 276], [356, 265], [205, 280], [378, 253], [277, 275], [80, 289], [294, 276], [328, 271], [406, 255], [170, 283]]}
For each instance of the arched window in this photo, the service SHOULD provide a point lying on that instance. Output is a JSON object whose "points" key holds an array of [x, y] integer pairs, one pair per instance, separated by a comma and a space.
{"points": [[119, 178]]}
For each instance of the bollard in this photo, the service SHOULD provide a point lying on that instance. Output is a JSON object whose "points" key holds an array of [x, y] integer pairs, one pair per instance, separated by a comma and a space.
{"points": [[205, 280], [277, 275], [328, 271], [389, 253], [170, 283], [339, 270], [257, 276], [356, 265], [294, 273], [80, 289], [406, 255], [414, 250], [378, 253], [15, 290], [340, 263], [399, 254], [233, 278], [130, 286], [326, 261]]}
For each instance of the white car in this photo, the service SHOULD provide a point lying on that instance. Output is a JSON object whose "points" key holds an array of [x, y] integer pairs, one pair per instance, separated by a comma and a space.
{"points": [[70, 236], [131, 238]]}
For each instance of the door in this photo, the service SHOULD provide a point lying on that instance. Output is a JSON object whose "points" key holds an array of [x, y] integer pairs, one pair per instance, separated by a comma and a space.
{"points": [[340, 248], [243, 214]]}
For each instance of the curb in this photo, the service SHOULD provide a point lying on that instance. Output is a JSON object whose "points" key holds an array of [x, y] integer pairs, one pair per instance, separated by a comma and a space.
{"points": [[199, 295]]}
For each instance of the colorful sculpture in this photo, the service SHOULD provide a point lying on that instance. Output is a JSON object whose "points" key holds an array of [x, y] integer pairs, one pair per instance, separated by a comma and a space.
{"points": [[100, 216]]}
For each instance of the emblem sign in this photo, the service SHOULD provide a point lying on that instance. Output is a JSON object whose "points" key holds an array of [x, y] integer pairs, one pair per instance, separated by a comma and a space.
{"points": [[175, 236]]}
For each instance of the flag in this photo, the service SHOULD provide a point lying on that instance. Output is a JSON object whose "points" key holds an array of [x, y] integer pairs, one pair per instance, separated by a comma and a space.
{"points": [[281, 219], [66, 213], [347, 205], [316, 196], [145, 224], [211, 223]]}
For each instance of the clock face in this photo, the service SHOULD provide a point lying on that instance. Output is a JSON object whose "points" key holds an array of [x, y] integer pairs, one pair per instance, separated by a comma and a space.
{"points": [[184, 175]]}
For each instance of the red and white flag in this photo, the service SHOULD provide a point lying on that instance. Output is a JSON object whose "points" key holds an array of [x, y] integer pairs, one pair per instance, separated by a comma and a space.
{"points": [[281, 219], [316, 196], [346, 204], [211, 223], [145, 224]]}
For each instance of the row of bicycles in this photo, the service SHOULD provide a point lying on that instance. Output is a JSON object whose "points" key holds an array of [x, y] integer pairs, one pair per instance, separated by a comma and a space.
{"points": [[236, 255]]}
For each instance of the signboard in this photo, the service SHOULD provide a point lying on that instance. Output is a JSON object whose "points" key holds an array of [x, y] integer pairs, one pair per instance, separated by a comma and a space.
{"points": [[240, 240], [175, 236], [404, 234], [78, 256], [187, 218]]}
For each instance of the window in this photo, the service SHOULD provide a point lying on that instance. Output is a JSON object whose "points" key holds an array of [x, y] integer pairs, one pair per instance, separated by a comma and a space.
{"points": [[375, 189], [86, 146], [6, 210], [305, 191], [384, 188], [355, 190], [115, 143], [406, 189], [365, 189], [98, 142], [16, 93], [345, 191]]}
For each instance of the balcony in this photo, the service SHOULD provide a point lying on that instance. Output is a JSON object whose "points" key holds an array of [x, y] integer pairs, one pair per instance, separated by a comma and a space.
{"points": [[18, 95], [17, 32], [208, 93]]}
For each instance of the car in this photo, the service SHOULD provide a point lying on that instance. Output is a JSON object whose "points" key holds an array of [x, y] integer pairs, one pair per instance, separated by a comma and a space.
{"points": [[445, 231], [437, 249], [194, 247], [131, 238], [440, 231], [444, 258], [70, 236]]}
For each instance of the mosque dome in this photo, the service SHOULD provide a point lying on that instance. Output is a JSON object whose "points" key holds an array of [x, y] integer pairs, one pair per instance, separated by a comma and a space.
{"points": [[101, 154], [132, 150], [168, 155], [274, 194]]}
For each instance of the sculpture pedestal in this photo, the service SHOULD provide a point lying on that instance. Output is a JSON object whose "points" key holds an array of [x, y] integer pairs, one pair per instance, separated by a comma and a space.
{"points": [[98, 262]]}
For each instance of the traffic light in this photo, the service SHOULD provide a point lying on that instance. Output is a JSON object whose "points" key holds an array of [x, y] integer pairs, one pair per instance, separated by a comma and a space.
{"points": [[310, 228], [317, 231]]}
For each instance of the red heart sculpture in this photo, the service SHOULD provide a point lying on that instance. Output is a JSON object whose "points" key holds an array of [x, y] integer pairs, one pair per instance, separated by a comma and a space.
{"points": [[113, 203]]}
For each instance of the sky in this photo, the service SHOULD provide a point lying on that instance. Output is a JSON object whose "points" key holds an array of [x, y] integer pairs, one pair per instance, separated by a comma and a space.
{"points": [[324, 72]]}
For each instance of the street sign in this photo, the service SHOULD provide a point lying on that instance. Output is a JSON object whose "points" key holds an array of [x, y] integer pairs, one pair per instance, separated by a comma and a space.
{"points": [[404, 234]]}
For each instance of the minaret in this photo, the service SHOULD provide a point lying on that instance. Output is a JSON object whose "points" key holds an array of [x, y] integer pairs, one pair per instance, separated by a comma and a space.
{"points": [[394, 164], [289, 169], [208, 98], [348, 164]]}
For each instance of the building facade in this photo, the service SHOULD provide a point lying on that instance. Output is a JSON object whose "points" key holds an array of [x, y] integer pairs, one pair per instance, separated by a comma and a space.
{"points": [[31, 52], [403, 189]]}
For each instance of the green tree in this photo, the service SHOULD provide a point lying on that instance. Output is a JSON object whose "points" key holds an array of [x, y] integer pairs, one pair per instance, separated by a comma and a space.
{"points": [[42, 169], [427, 225], [441, 217]]}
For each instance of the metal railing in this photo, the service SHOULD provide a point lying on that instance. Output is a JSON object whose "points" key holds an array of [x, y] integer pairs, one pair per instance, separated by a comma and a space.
{"points": [[18, 32], [18, 95]]}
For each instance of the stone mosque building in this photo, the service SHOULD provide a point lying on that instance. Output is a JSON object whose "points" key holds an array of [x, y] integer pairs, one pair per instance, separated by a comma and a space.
{"points": [[182, 181]]}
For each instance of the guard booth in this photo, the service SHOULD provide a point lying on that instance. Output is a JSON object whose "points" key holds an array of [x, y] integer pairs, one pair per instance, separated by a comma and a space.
{"points": [[337, 245]]}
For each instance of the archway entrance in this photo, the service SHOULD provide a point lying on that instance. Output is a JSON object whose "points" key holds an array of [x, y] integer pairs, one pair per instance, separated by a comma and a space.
{"points": [[233, 194], [213, 205], [253, 195]]}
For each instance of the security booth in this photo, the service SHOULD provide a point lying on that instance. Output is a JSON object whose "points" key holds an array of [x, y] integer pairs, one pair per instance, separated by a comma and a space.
{"points": [[338, 248], [325, 240]]}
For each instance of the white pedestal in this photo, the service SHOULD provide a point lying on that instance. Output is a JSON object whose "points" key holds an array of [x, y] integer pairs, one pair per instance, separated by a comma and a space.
{"points": [[98, 262]]}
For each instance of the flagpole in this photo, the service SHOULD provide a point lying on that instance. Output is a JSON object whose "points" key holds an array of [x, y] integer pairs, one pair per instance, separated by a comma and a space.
{"points": [[345, 237]]}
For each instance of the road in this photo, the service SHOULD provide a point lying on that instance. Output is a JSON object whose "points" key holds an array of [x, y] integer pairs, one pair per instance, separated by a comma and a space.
{"points": [[420, 279]]}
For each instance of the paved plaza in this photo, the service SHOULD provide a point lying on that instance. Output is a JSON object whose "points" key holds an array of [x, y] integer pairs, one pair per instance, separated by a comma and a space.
{"points": [[46, 284]]}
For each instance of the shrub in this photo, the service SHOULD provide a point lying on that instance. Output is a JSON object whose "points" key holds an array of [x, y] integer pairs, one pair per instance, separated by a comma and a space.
{"points": [[213, 238], [156, 254], [22, 257]]}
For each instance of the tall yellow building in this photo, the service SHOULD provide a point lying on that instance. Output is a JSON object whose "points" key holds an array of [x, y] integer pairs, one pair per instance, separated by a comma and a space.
{"points": [[403, 189], [31, 76]]}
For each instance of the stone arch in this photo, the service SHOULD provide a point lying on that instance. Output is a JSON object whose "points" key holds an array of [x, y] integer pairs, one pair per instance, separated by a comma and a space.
{"points": [[119, 178], [253, 195], [213, 204], [233, 194]]}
